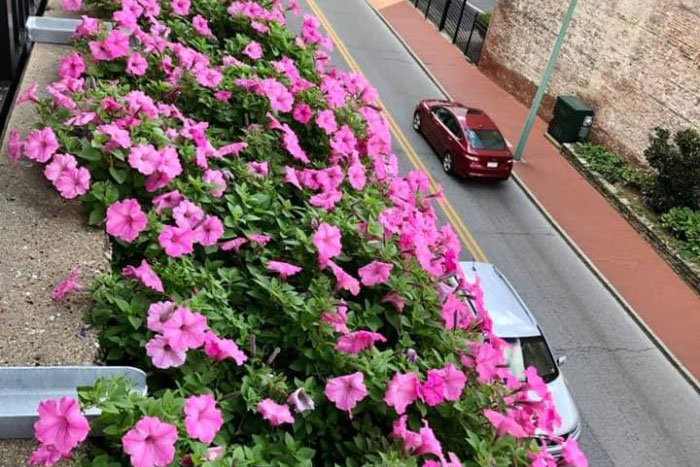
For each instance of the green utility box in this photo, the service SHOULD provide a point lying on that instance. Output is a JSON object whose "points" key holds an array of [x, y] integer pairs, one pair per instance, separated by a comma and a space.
{"points": [[571, 120]]}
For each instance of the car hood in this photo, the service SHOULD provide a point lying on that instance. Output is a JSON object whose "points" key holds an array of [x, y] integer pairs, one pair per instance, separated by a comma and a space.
{"points": [[565, 406]]}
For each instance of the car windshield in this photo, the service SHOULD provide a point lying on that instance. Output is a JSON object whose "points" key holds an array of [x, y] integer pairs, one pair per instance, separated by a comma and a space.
{"points": [[486, 139], [530, 351]]}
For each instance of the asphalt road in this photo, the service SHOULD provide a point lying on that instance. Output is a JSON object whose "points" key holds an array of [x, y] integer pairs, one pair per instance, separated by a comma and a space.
{"points": [[636, 409]]}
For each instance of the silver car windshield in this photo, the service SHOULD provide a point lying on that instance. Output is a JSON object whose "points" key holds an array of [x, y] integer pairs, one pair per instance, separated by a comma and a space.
{"points": [[530, 351]]}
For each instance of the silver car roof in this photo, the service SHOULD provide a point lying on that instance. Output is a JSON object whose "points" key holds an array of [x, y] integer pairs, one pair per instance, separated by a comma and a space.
{"points": [[510, 316]]}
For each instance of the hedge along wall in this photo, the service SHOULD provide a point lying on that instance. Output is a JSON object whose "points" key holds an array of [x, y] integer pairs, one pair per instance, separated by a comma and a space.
{"points": [[285, 289]]}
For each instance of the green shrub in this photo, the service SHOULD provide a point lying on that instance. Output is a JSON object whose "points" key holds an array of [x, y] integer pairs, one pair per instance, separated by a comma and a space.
{"points": [[684, 224], [607, 164], [677, 164], [485, 18], [637, 177]]}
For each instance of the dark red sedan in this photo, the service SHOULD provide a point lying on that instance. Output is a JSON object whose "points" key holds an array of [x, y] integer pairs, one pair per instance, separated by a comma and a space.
{"points": [[466, 139]]}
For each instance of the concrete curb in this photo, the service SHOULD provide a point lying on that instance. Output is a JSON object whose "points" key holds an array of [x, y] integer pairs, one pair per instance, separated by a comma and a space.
{"points": [[639, 222], [687, 375]]}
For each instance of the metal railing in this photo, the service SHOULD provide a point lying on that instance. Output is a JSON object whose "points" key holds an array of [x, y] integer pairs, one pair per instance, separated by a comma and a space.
{"points": [[14, 45], [460, 21]]}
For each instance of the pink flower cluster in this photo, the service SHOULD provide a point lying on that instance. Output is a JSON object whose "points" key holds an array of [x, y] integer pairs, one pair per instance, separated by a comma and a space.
{"points": [[60, 428]]}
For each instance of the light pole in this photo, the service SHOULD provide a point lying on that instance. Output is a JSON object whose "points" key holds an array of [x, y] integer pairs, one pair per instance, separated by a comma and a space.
{"points": [[518, 155]]}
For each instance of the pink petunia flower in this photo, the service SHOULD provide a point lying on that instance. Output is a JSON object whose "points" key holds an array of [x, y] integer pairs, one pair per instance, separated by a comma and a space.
{"points": [[275, 413], [136, 64], [158, 314], [232, 149], [71, 66], [180, 7], [221, 349], [344, 281], [58, 165], [356, 176], [326, 121], [188, 214], [326, 239], [61, 424], [505, 424], [394, 299], [118, 137], [150, 443], [455, 380], [260, 239], [302, 113], [216, 179], [374, 273], [573, 454], [163, 355], [346, 391], [258, 169], [145, 275], [28, 96], [355, 342], [402, 391], [201, 25], [253, 50], [168, 200], [337, 319], [209, 77], [185, 329], [300, 401], [144, 158], [233, 244], [177, 241], [202, 419], [87, 27], [67, 285], [41, 145], [73, 182], [125, 220], [115, 45], [283, 269], [209, 232], [46, 455], [433, 390], [72, 5], [344, 141]]}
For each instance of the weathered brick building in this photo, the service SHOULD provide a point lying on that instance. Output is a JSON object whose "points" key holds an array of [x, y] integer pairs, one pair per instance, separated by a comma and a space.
{"points": [[636, 62]]}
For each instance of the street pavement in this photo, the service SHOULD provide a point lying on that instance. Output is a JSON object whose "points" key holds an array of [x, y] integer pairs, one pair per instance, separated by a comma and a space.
{"points": [[636, 408]]}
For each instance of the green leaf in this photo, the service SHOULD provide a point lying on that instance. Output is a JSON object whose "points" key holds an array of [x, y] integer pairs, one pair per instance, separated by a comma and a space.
{"points": [[97, 215], [90, 154], [119, 175]]}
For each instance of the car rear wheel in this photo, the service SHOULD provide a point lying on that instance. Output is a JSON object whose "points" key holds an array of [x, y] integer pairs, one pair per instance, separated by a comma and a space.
{"points": [[416, 121], [447, 163]]}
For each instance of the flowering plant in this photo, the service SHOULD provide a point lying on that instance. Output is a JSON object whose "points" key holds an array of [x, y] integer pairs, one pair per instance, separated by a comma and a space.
{"points": [[287, 284]]}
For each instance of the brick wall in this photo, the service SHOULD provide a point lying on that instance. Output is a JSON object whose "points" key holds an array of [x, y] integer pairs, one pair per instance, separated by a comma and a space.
{"points": [[636, 62]]}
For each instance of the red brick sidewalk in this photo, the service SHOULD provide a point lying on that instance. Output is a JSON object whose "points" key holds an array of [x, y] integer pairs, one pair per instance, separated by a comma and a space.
{"points": [[661, 299]]}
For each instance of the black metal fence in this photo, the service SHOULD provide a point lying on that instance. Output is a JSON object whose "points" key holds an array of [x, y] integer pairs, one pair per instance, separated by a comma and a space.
{"points": [[14, 44], [460, 21]]}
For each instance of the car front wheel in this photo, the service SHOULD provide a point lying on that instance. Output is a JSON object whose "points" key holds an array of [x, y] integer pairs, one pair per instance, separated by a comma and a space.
{"points": [[416, 121], [447, 163]]}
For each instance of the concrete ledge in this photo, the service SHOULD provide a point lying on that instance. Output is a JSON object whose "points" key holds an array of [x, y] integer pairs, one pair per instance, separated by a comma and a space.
{"points": [[42, 238]]}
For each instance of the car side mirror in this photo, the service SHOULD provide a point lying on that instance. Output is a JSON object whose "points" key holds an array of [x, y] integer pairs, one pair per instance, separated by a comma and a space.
{"points": [[561, 360]]}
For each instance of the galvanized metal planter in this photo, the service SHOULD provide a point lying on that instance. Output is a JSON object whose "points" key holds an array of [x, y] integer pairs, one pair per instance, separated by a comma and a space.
{"points": [[22, 388]]}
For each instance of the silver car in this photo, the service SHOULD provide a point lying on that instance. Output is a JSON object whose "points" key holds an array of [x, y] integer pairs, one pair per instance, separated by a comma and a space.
{"points": [[513, 322]]}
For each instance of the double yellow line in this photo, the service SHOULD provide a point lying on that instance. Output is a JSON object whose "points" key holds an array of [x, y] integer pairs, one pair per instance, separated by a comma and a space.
{"points": [[454, 220]]}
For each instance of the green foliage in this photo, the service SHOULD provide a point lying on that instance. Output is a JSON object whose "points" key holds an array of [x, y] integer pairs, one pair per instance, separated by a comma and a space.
{"points": [[609, 165], [677, 166], [684, 224], [277, 322]]}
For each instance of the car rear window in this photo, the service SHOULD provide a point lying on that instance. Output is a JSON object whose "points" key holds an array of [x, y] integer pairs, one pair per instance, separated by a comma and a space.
{"points": [[486, 139]]}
